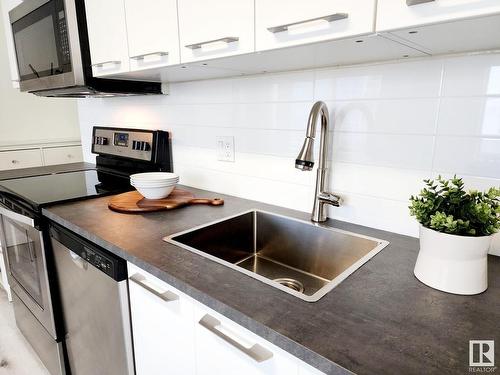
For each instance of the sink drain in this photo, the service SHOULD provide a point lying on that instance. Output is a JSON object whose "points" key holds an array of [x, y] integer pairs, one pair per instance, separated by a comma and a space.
{"points": [[291, 283]]}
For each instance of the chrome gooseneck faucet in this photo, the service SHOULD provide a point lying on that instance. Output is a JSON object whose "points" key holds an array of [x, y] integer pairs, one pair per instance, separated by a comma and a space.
{"points": [[305, 161]]}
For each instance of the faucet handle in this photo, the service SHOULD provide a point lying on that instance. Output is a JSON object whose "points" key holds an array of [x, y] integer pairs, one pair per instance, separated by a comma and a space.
{"points": [[329, 198]]}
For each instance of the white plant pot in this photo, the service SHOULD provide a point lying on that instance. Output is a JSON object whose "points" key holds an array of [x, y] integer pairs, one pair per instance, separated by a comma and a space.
{"points": [[451, 263]]}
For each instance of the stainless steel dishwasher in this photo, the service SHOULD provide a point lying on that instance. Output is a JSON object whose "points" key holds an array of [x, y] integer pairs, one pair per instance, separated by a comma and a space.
{"points": [[94, 296]]}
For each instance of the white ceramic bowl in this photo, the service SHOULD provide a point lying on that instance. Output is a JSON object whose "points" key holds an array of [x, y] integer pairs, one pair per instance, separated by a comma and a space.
{"points": [[140, 182], [154, 177], [155, 192], [153, 184]]}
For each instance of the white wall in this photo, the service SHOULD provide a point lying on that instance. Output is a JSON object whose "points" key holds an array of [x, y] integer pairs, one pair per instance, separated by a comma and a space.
{"points": [[394, 125], [25, 118]]}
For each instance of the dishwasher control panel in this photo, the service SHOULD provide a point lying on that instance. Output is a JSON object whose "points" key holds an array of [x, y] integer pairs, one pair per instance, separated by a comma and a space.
{"points": [[99, 261], [97, 257]]}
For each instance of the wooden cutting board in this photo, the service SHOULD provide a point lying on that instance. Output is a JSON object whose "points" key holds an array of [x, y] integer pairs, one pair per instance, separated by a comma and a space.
{"points": [[133, 202]]}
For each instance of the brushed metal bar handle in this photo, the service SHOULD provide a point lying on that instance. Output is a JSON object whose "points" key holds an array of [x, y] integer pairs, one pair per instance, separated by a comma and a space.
{"points": [[112, 62], [411, 3], [141, 57], [227, 39], [329, 18], [166, 296], [257, 352]]}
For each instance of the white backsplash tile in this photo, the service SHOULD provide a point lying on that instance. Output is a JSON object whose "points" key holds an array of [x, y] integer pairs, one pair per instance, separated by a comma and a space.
{"points": [[281, 87], [376, 182], [394, 80], [394, 125], [470, 116], [287, 115], [472, 75], [398, 116], [386, 150], [471, 156]]}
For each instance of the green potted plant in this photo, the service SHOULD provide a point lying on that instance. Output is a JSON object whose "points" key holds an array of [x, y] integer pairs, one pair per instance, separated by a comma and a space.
{"points": [[456, 228]]}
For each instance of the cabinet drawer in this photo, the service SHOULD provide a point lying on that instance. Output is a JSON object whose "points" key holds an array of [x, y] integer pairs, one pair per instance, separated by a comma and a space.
{"points": [[239, 351], [283, 23], [62, 155], [215, 28], [398, 14], [20, 159]]}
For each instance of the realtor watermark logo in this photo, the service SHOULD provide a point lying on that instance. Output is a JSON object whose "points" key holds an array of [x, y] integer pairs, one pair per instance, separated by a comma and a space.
{"points": [[482, 356]]}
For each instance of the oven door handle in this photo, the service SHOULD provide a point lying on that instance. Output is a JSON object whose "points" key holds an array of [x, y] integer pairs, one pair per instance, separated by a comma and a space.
{"points": [[16, 217]]}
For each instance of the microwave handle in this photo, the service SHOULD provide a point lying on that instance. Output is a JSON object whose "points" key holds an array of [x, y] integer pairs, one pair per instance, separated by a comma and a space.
{"points": [[16, 217]]}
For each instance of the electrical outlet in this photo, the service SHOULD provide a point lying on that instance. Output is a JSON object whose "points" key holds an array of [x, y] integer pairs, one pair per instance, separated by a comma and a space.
{"points": [[225, 148]]}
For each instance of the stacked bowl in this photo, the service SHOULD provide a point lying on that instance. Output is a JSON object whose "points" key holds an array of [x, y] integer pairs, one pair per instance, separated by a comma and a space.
{"points": [[154, 185]]}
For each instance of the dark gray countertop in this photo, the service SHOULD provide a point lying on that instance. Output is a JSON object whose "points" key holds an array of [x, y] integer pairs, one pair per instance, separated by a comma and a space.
{"points": [[49, 169], [380, 320]]}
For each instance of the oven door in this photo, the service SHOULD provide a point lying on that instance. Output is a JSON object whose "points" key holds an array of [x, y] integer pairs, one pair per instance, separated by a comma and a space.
{"points": [[26, 265], [42, 34]]}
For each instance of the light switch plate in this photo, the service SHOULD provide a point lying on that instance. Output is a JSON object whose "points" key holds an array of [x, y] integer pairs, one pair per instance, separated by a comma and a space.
{"points": [[225, 148]]}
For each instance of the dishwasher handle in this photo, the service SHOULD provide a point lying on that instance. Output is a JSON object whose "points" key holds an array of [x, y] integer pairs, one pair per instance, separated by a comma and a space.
{"points": [[78, 260]]}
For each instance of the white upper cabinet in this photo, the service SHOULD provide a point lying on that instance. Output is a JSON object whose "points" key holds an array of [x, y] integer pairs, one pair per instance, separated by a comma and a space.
{"points": [[398, 14], [283, 23], [107, 36], [215, 28], [153, 33]]}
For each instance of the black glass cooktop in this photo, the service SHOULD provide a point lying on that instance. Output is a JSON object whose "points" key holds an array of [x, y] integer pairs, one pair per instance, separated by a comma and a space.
{"points": [[44, 190]]}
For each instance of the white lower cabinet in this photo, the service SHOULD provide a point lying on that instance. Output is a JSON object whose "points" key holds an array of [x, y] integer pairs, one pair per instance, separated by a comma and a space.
{"points": [[20, 159], [176, 335], [162, 325], [40, 155], [62, 155], [305, 369], [223, 347]]}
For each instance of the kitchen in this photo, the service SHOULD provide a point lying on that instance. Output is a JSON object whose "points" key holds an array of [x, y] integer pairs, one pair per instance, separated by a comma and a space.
{"points": [[222, 99]]}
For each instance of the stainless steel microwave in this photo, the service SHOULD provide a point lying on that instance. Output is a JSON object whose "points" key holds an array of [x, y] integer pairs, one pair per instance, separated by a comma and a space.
{"points": [[53, 55]]}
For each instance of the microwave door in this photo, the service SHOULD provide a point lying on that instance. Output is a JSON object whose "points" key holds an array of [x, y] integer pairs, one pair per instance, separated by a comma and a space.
{"points": [[41, 36]]}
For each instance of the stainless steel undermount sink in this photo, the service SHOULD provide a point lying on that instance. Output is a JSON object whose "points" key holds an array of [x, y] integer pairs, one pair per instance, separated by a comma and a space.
{"points": [[298, 257]]}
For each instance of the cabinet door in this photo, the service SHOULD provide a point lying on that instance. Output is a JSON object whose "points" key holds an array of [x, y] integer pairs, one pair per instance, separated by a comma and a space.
{"points": [[20, 159], [153, 33], [305, 369], [6, 6], [397, 14], [62, 155], [107, 36], [225, 348], [162, 326], [215, 28], [282, 23]]}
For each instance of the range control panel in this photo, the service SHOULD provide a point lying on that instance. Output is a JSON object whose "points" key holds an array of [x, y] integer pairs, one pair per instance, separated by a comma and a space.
{"points": [[129, 143]]}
